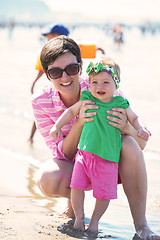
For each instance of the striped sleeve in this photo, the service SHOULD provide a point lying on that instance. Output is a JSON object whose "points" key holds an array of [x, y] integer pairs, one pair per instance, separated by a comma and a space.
{"points": [[44, 124]]}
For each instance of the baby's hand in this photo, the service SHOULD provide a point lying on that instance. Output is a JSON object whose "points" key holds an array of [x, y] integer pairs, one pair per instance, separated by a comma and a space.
{"points": [[55, 132], [143, 133]]}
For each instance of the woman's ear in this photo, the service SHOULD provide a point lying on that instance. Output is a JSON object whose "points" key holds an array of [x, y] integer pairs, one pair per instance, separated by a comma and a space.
{"points": [[81, 67]]}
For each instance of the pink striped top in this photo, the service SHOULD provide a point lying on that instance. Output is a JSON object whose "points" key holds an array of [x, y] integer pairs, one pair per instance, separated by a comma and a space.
{"points": [[47, 108]]}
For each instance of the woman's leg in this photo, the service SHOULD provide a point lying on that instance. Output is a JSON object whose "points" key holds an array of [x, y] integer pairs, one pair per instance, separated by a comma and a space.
{"points": [[54, 180], [77, 200], [133, 174]]}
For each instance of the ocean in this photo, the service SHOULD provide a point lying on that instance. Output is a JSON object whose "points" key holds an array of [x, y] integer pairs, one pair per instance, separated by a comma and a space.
{"points": [[138, 58]]}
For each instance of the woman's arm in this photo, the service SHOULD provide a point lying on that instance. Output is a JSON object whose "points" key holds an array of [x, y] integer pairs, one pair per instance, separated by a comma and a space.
{"points": [[44, 123], [124, 126]]}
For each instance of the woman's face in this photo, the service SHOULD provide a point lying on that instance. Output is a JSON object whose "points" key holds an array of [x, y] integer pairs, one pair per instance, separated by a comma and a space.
{"points": [[66, 85]]}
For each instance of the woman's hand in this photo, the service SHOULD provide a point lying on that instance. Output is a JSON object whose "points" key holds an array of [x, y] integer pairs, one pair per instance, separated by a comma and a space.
{"points": [[120, 122], [86, 116]]}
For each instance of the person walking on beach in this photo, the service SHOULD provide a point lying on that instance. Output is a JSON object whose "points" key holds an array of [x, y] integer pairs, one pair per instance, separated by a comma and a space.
{"points": [[64, 90], [96, 162], [49, 32], [118, 35]]}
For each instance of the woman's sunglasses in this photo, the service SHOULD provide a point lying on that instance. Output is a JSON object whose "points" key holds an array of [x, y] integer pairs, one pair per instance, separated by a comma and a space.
{"points": [[72, 69]]}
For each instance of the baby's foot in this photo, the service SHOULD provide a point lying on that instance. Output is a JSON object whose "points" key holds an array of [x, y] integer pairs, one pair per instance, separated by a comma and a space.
{"points": [[93, 228], [145, 233], [79, 224]]}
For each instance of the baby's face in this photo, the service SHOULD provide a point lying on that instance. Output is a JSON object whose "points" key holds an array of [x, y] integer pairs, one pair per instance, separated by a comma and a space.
{"points": [[102, 86]]}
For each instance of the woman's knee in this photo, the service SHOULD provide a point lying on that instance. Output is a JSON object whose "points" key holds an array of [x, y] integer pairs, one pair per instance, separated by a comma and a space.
{"points": [[130, 146], [130, 152], [48, 182], [132, 165]]}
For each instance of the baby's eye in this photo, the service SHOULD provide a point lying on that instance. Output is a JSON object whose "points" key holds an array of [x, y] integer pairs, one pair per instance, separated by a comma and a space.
{"points": [[94, 82], [106, 82]]}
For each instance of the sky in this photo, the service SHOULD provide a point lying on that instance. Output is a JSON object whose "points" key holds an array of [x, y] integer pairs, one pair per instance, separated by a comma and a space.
{"points": [[104, 10], [83, 11]]}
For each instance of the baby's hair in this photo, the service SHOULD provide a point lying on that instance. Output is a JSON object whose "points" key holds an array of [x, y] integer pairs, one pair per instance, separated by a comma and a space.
{"points": [[110, 62]]}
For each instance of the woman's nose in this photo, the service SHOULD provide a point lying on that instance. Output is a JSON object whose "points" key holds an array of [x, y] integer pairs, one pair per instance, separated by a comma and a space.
{"points": [[64, 75]]}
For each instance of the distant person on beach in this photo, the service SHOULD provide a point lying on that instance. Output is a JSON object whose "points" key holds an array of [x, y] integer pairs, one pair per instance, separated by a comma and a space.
{"points": [[62, 57], [118, 35], [49, 32], [96, 161]]}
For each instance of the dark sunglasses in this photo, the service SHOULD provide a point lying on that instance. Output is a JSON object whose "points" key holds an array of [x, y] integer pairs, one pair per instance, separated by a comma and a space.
{"points": [[72, 69]]}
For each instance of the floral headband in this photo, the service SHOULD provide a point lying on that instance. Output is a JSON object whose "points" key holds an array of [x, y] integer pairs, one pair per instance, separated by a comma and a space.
{"points": [[98, 67]]}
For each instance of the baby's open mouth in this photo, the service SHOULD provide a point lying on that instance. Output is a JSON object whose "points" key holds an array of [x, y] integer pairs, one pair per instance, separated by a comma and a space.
{"points": [[101, 92]]}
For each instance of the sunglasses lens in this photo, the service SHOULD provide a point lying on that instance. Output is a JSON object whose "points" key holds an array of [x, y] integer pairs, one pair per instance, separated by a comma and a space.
{"points": [[55, 73], [72, 69]]}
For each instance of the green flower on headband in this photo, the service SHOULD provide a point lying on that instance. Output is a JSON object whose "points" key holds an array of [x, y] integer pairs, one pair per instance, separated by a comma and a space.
{"points": [[95, 67], [98, 67]]}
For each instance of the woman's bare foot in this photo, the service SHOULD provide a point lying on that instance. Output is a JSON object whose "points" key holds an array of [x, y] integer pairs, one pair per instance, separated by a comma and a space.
{"points": [[145, 233], [69, 211]]}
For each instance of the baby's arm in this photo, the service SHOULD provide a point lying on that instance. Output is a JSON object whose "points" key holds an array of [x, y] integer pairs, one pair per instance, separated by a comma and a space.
{"points": [[133, 119], [66, 116]]}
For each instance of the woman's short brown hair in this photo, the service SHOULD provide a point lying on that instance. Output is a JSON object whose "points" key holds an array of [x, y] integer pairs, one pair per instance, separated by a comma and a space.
{"points": [[57, 47]]}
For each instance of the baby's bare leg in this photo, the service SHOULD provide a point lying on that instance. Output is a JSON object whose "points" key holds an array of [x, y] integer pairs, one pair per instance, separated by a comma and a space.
{"points": [[100, 208], [77, 200]]}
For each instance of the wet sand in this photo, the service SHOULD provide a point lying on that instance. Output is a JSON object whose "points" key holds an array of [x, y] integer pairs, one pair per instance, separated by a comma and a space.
{"points": [[20, 216]]}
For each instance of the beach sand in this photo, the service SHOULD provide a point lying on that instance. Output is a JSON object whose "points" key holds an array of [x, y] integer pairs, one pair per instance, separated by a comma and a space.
{"points": [[20, 217]]}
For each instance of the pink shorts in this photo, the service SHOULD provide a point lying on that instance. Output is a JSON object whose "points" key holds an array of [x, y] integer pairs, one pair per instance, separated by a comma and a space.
{"points": [[93, 172]]}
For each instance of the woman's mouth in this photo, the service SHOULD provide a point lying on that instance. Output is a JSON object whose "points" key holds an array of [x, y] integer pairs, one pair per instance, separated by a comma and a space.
{"points": [[66, 84]]}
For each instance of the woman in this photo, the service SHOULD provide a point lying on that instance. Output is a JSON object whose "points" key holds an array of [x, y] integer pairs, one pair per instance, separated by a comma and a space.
{"points": [[62, 64]]}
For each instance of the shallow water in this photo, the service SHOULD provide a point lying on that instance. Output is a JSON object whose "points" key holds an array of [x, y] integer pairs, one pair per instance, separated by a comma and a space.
{"points": [[139, 61]]}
